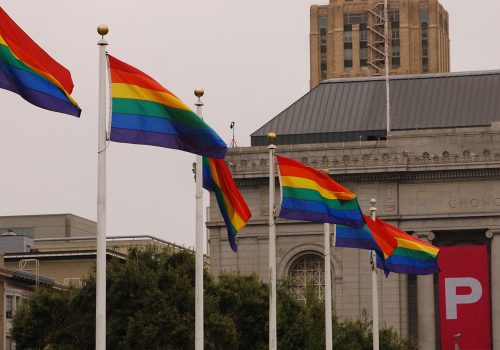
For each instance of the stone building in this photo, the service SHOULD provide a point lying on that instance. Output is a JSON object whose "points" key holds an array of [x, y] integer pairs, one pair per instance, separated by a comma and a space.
{"points": [[436, 174], [347, 38]]}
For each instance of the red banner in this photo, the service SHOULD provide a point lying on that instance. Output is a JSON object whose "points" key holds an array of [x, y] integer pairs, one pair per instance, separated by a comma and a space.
{"points": [[464, 297]]}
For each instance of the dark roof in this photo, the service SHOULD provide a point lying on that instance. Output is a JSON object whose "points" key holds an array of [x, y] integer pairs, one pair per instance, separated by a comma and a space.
{"points": [[32, 278], [350, 109]]}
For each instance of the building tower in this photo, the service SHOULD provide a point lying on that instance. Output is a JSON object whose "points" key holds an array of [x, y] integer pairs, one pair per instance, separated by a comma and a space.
{"points": [[347, 38]]}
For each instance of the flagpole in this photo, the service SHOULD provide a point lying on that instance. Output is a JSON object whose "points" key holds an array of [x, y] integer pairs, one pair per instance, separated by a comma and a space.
{"points": [[328, 288], [199, 334], [272, 246], [100, 330], [373, 262], [386, 49]]}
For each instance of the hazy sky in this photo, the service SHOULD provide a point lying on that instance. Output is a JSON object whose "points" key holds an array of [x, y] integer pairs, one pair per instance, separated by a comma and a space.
{"points": [[252, 58]]}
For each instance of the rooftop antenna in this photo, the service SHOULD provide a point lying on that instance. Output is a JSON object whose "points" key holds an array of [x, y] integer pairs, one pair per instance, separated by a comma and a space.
{"points": [[233, 141]]}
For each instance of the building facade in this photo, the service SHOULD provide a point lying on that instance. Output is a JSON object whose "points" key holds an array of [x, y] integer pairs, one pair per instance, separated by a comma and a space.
{"points": [[15, 288], [435, 175], [347, 38], [62, 246], [55, 250]]}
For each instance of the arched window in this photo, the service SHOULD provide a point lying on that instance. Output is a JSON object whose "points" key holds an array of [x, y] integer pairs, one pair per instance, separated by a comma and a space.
{"points": [[308, 270]]}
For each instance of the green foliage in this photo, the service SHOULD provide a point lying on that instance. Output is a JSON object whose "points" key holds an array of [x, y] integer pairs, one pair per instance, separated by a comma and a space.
{"points": [[54, 317], [150, 305], [245, 300]]}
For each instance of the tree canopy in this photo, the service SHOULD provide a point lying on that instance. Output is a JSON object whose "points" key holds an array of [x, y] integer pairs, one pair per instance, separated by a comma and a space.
{"points": [[150, 305]]}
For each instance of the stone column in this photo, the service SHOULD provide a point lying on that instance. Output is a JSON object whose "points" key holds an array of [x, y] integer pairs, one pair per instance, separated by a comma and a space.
{"points": [[495, 285], [425, 305]]}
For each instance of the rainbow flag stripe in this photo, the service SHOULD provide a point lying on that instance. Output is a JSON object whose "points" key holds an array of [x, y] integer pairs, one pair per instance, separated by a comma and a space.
{"points": [[144, 112], [411, 256], [234, 210], [349, 237], [310, 195], [27, 70], [369, 237]]}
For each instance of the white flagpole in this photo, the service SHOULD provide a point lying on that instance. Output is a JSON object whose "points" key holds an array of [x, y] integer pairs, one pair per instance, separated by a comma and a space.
{"points": [[328, 288], [272, 247], [386, 49], [373, 261], [199, 334], [100, 325]]}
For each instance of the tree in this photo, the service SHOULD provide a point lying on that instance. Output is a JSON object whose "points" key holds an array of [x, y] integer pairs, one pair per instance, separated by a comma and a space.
{"points": [[150, 305]]}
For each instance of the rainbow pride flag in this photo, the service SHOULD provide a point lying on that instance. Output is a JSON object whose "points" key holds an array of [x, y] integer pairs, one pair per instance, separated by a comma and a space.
{"points": [[369, 237], [310, 195], [412, 256], [144, 112], [27, 70], [234, 210]]}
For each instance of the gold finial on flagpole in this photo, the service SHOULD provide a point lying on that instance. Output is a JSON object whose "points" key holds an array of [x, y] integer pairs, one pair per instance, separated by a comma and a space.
{"points": [[102, 29], [271, 137], [199, 92]]}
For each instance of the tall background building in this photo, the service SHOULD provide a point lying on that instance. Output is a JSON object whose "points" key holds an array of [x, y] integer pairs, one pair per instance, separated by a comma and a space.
{"points": [[347, 38]]}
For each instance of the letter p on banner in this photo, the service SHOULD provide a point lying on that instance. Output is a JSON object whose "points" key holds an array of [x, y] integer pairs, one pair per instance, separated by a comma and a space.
{"points": [[451, 286], [464, 299]]}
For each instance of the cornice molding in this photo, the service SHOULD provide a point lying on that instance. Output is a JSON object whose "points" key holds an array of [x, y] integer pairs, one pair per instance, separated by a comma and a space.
{"points": [[431, 174], [371, 162]]}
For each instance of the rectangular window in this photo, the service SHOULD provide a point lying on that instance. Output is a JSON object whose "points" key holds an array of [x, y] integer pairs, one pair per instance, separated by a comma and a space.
{"points": [[395, 33], [347, 54], [347, 37], [347, 59], [8, 343], [364, 53], [424, 16], [393, 15], [9, 299], [424, 19], [355, 18], [323, 71], [395, 51], [395, 40], [363, 36], [363, 46], [323, 22], [395, 59], [425, 64], [323, 31], [363, 57]]}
